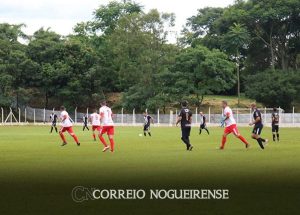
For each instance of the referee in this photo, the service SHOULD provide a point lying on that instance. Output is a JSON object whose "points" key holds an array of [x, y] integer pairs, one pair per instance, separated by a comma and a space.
{"points": [[185, 119], [53, 119], [148, 119], [275, 124], [85, 122], [203, 123]]}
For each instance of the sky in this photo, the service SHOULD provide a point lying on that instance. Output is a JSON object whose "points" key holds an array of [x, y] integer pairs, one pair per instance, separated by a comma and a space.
{"points": [[62, 15]]}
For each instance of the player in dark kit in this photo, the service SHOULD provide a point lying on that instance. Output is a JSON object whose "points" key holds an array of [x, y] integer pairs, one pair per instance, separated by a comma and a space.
{"points": [[185, 119], [275, 124], [85, 122], [148, 120], [53, 119], [258, 126], [203, 123]]}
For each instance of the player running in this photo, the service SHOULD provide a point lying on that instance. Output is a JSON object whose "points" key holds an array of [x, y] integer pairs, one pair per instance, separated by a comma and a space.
{"points": [[107, 126], [275, 124], [66, 126], [96, 124], [203, 123], [53, 119], [185, 119], [230, 125], [258, 126], [148, 120], [85, 122]]}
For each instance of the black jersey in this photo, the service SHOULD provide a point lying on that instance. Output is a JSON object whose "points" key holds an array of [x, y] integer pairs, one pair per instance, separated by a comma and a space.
{"points": [[275, 118], [257, 114], [185, 115], [147, 120], [85, 119], [203, 120], [53, 118]]}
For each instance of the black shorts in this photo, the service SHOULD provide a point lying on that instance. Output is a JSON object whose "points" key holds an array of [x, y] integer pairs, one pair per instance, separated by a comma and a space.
{"points": [[147, 127], [257, 129], [202, 126], [185, 131], [275, 128]]}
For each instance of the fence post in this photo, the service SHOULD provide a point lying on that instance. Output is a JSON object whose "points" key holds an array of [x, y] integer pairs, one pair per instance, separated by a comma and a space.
{"points": [[280, 116], [11, 113], [158, 116], [44, 115], [19, 115], [208, 114], [75, 115], [265, 121], [25, 115], [133, 116], [2, 115], [237, 115], [87, 111], [176, 113], [250, 118], [171, 118], [293, 115], [146, 110], [196, 115], [122, 116], [34, 116]]}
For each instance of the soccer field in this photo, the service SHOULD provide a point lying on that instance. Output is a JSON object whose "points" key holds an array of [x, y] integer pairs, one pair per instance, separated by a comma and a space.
{"points": [[37, 175]]}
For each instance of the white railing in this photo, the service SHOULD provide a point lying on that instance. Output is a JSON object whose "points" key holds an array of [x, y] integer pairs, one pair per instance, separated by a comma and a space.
{"points": [[243, 116]]}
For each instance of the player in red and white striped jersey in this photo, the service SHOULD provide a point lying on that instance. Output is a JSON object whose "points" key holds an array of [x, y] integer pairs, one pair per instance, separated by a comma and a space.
{"points": [[230, 126], [96, 124], [107, 126], [66, 126]]}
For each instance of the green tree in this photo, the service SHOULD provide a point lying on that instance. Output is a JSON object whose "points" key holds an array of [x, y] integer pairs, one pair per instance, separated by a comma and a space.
{"points": [[15, 67], [203, 72], [46, 50], [106, 17], [236, 39], [274, 88]]}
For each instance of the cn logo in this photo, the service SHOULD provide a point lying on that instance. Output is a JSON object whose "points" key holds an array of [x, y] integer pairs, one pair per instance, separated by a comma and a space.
{"points": [[81, 194]]}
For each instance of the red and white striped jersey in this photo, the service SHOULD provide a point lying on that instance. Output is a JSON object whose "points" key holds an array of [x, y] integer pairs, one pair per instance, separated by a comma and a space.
{"points": [[95, 119], [228, 113], [106, 116], [65, 119]]}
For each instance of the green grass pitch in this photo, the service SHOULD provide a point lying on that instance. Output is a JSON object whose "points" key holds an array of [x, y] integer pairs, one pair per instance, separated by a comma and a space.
{"points": [[37, 174]]}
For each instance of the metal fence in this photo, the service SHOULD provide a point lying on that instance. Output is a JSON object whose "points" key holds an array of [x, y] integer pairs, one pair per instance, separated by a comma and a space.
{"points": [[243, 116]]}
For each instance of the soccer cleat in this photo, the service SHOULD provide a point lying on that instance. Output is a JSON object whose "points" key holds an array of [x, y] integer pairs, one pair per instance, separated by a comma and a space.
{"points": [[78, 144], [221, 148], [105, 149], [191, 148], [247, 146], [63, 144]]}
